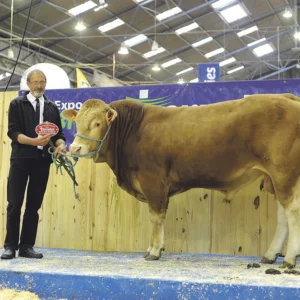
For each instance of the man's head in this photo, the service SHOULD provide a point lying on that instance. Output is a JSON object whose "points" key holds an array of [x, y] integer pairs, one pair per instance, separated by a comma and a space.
{"points": [[36, 81]]}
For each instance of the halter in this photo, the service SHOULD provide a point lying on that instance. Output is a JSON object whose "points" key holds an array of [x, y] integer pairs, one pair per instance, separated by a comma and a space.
{"points": [[101, 142]]}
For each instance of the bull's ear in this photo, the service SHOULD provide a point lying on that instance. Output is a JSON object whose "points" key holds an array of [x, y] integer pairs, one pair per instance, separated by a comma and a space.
{"points": [[70, 114], [110, 116]]}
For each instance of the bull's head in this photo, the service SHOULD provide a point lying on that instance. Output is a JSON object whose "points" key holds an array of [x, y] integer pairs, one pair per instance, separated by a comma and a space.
{"points": [[93, 122]]}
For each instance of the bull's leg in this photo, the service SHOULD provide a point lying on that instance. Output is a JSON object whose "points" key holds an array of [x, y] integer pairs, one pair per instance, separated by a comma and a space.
{"points": [[293, 216], [157, 235], [279, 237]]}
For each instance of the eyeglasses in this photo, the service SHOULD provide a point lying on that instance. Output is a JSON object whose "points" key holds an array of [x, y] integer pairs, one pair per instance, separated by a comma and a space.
{"points": [[37, 83]]}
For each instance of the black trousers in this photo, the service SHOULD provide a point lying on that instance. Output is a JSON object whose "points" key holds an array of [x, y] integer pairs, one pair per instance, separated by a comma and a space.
{"points": [[35, 172]]}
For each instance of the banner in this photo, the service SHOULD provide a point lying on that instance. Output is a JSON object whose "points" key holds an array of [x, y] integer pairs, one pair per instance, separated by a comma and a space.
{"points": [[82, 82], [168, 95]]}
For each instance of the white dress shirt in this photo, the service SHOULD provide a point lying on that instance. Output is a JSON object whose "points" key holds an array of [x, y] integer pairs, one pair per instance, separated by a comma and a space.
{"points": [[32, 100]]}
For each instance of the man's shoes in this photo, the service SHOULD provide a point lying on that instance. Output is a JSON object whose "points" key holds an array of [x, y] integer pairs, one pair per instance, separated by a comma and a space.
{"points": [[8, 254], [29, 253]]}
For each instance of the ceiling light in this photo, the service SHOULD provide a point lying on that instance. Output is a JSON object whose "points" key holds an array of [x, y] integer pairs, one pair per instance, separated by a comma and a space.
{"points": [[186, 28], [82, 8], [169, 13], [123, 49], [263, 50], [171, 62], [180, 81], [135, 40], [235, 70], [7, 74], [222, 3], [184, 71], [233, 13], [156, 67], [247, 31], [227, 61], [10, 53], [152, 53], [202, 42], [215, 52], [256, 42], [111, 25], [287, 13], [297, 35], [80, 26], [194, 80], [139, 1], [100, 7], [154, 46]]}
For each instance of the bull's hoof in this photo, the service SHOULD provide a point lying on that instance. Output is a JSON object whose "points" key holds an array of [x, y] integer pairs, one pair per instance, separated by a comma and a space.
{"points": [[265, 260], [146, 254], [279, 255], [287, 265], [152, 257]]}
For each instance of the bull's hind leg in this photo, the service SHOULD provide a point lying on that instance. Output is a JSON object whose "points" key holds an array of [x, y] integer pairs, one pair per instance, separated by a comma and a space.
{"points": [[279, 237]]}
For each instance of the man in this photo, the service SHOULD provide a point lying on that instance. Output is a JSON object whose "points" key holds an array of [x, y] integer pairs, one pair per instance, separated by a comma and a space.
{"points": [[29, 164]]}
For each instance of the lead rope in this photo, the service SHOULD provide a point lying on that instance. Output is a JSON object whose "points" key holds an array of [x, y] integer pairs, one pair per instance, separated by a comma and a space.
{"points": [[67, 164]]}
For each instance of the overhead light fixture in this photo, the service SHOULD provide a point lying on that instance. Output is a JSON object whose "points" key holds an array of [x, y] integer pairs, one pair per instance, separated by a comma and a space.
{"points": [[145, 1], [156, 67], [227, 61], [287, 13], [10, 53], [186, 28], [135, 40], [222, 3], [154, 46], [235, 70], [4, 75], [169, 13], [215, 52], [80, 26], [297, 35], [111, 25], [247, 31], [180, 81], [202, 42], [194, 80], [185, 71], [263, 50], [152, 53], [100, 7], [123, 49], [256, 42], [79, 9], [233, 13], [171, 62]]}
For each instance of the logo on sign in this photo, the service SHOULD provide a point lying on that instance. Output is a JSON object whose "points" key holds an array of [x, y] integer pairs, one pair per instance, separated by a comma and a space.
{"points": [[46, 128], [208, 72]]}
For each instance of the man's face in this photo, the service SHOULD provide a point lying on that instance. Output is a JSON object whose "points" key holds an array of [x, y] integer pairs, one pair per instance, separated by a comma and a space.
{"points": [[37, 85]]}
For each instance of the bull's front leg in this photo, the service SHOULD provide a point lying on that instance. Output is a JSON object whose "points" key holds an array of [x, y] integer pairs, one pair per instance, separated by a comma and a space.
{"points": [[157, 234], [293, 246], [279, 238]]}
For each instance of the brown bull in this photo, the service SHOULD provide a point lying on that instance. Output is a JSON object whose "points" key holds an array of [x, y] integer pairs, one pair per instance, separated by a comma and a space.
{"points": [[157, 152]]}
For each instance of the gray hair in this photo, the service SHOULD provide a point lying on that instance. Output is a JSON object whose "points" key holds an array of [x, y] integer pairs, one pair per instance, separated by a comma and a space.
{"points": [[35, 72]]}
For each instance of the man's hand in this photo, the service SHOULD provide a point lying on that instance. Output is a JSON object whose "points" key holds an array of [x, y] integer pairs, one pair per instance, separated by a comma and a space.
{"points": [[41, 140], [60, 148]]}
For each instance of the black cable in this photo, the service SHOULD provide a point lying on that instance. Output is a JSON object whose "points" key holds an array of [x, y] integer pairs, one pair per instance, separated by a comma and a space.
{"points": [[24, 33]]}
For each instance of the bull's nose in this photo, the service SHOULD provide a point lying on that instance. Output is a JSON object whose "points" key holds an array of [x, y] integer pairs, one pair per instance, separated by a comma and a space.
{"points": [[75, 149]]}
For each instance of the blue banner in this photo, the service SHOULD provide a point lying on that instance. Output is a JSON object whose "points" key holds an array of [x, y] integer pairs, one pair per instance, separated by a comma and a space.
{"points": [[167, 95], [208, 72]]}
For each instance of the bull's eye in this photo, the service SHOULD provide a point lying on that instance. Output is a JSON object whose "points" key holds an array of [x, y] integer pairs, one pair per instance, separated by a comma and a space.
{"points": [[97, 124]]}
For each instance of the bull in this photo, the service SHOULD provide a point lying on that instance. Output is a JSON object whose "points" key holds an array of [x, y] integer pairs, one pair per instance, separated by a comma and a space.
{"points": [[157, 152]]}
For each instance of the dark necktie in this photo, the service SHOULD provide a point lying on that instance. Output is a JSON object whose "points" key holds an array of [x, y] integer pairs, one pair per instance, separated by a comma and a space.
{"points": [[37, 113]]}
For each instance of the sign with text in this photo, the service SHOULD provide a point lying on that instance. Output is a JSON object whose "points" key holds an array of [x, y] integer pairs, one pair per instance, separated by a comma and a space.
{"points": [[46, 128], [208, 72]]}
